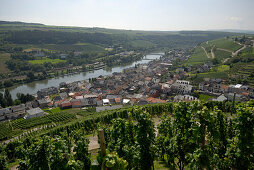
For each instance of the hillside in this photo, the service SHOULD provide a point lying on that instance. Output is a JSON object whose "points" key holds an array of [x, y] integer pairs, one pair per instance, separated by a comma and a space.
{"points": [[160, 132], [232, 60]]}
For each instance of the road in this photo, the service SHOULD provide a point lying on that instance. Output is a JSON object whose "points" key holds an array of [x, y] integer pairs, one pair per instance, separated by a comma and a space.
{"points": [[205, 52], [212, 52]]}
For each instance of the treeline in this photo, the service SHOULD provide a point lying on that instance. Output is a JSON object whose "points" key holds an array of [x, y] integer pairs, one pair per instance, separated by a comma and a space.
{"points": [[6, 99], [59, 37]]}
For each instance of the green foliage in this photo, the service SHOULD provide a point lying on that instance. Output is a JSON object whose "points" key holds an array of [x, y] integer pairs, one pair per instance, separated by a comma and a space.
{"points": [[113, 162], [204, 97], [197, 137], [191, 135], [81, 151], [8, 98]]}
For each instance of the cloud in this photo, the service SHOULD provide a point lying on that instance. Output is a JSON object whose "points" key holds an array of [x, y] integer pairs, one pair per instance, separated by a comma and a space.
{"points": [[236, 19]]}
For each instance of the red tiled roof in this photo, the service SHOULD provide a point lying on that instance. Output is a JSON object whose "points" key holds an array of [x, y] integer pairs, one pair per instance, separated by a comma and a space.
{"points": [[117, 100], [245, 93], [66, 104], [60, 101], [155, 100], [224, 86], [148, 78], [76, 103]]}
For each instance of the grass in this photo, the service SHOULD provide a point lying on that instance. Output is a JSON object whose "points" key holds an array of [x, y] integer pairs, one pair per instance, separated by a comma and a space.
{"points": [[222, 68], [47, 60], [204, 97], [3, 58]]}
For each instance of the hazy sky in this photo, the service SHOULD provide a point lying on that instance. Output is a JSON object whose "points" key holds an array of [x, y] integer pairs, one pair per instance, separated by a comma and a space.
{"points": [[134, 14]]}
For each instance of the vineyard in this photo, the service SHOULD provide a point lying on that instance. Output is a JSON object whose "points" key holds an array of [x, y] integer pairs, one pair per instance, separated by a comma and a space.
{"points": [[15, 127], [194, 135]]}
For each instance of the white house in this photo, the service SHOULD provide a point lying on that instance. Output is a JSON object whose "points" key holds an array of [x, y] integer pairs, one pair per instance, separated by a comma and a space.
{"points": [[35, 112]]}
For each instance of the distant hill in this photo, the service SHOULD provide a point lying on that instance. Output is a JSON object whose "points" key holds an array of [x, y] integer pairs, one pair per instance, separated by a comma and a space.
{"points": [[36, 34], [19, 23], [236, 31]]}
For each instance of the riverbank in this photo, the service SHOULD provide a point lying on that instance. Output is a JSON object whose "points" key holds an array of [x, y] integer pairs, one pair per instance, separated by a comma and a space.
{"points": [[33, 87]]}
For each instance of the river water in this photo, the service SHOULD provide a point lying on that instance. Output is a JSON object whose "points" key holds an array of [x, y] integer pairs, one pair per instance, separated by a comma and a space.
{"points": [[33, 87]]}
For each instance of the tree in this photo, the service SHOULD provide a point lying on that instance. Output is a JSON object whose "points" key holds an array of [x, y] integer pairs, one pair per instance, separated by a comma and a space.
{"points": [[30, 75], [8, 83], [2, 100], [8, 98]]}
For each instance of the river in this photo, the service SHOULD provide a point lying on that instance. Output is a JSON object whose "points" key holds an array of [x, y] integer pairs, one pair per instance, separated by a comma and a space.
{"points": [[33, 87]]}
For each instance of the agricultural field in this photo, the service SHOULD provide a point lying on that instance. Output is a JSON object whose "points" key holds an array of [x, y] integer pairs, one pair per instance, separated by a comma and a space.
{"points": [[47, 60], [3, 58], [16, 127], [198, 57], [222, 55], [220, 71], [224, 43], [195, 126], [7, 131]]}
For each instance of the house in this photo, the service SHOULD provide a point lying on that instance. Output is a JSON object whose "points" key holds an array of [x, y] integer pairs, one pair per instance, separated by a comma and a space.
{"points": [[105, 102], [17, 111], [4, 112], [76, 103], [238, 88], [221, 98], [46, 92], [155, 100], [182, 87], [89, 102], [142, 102], [186, 98], [65, 105], [118, 100], [43, 103], [35, 112], [238, 97], [63, 95], [126, 101]]}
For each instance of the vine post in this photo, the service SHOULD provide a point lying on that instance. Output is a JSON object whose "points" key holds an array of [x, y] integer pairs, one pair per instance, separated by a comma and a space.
{"points": [[102, 142]]}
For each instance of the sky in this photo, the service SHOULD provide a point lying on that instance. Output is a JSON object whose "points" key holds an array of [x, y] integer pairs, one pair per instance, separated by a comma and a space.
{"points": [[164, 15]]}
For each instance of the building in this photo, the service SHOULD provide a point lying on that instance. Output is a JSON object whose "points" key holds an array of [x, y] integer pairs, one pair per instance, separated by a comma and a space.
{"points": [[46, 92], [182, 87], [35, 112], [186, 98]]}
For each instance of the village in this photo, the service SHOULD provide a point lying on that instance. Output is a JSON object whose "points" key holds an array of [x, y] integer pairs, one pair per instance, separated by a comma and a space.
{"points": [[143, 84]]}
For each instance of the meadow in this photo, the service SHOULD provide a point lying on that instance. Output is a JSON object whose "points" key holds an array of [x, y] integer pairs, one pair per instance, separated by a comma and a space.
{"points": [[47, 60]]}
